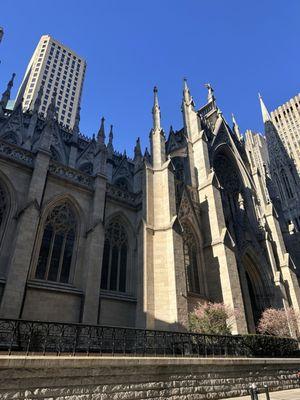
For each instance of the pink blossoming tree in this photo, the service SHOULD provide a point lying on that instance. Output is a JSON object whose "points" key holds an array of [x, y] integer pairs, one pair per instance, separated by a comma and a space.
{"points": [[279, 322], [211, 318]]}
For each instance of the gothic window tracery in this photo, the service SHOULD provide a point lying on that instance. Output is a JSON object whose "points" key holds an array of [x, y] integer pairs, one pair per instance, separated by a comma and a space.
{"points": [[278, 185], [54, 154], [115, 258], [3, 209], [231, 184], [11, 138], [227, 174], [57, 247], [287, 185], [122, 183], [191, 260]]}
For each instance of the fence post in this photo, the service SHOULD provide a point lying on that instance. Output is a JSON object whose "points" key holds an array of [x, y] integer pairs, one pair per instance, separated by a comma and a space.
{"points": [[253, 392], [267, 392]]}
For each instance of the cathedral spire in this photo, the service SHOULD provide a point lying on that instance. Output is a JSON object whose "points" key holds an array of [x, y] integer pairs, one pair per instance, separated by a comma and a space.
{"points": [[157, 137], [156, 111], [236, 128], [6, 93], [265, 113], [101, 132]]}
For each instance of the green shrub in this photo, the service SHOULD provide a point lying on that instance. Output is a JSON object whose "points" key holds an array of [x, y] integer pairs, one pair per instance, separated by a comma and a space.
{"points": [[269, 346]]}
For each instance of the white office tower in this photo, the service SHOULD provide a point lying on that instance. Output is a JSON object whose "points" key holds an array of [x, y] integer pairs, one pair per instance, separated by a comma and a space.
{"points": [[55, 68], [286, 118]]}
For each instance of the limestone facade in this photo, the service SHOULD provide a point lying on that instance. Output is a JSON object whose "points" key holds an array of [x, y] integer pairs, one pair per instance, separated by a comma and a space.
{"points": [[89, 235]]}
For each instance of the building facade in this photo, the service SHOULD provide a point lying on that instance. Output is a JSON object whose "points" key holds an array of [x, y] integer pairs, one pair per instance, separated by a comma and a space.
{"points": [[89, 235], [283, 182], [53, 68], [286, 119]]}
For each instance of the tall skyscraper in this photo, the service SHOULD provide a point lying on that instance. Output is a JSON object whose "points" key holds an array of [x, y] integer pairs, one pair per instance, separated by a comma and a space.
{"points": [[286, 118], [54, 68]]}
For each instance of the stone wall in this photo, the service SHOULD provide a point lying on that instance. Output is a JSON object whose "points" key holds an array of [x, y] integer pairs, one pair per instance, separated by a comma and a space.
{"points": [[114, 378]]}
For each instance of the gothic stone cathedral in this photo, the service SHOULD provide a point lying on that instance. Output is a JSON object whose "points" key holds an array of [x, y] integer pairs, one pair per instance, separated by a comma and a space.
{"points": [[89, 235]]}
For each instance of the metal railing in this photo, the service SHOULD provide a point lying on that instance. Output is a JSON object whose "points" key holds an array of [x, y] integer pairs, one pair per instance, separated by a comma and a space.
{"points": [[28, 337], [60, 338]]}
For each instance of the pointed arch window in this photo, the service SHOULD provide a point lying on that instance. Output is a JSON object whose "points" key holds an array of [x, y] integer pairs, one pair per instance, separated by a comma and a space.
{"points": [[279, 188], [191, 261], [4, 207], [57, 248], [115, 258], [287, 185]]}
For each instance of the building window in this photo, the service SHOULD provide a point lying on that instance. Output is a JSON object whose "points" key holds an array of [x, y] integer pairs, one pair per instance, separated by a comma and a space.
{"points": [[115, 258], [287, 185], [3, 209], [191, 260], [57, 247]]}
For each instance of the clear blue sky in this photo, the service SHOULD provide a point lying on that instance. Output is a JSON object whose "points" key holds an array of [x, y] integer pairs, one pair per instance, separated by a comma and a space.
{"points": [[240, 46]]}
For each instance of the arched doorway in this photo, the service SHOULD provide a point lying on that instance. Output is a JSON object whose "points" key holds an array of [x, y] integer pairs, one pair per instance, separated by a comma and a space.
{"points": [[254, 292]]}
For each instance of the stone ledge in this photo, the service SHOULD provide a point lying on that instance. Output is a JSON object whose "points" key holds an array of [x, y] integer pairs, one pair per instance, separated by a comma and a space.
{"points": [[14, 361]]}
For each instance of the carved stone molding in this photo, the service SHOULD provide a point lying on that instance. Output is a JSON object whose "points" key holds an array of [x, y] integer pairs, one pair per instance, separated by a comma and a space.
{"points": [[71, 174], [16, 153], [122, 195]]}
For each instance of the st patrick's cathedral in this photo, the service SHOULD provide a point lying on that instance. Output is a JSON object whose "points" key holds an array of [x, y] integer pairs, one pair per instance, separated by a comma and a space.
{"points": [[90, 235]]}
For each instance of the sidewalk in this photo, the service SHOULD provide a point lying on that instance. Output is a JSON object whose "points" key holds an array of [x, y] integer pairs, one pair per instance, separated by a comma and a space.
{"points": [[293, 394]]}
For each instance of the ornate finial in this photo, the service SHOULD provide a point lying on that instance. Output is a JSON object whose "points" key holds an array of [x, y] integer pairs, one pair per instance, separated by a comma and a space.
{"points": [[236, 128], [185, 86], [147, 155], [76, 125], [11, 82], [51, 111], [38, 100], [101, 132], [137, 149], [186, 92], [210, 95], [156, 111], [111, 135]]}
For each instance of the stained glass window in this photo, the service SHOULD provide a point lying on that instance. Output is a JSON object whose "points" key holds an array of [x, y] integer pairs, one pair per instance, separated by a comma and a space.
{"points": [[114, 265], [57, 247]]}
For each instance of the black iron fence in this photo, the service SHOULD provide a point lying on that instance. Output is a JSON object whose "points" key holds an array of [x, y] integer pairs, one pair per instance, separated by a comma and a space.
{"points": [[30, 337]]}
